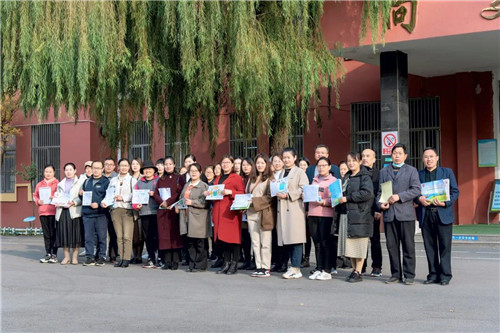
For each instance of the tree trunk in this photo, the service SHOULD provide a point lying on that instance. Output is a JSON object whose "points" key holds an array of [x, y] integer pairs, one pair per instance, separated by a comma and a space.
{"points": [[278, 141]]}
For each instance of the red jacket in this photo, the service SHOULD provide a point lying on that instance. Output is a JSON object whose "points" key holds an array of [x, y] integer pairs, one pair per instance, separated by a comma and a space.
{"points": [[45, 209], [227, 222]]}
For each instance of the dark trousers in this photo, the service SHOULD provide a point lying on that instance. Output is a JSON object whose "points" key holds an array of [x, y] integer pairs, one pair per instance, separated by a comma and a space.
{"points": [[375, 247], [321, 233], [279, 255], [49, 233], [246, 244], [185, 249], [308, 245], [95, 225], [113, 239], [401, 234], [230, 252], [169, 256], [150, 229], [197, 253], [437, 242]]}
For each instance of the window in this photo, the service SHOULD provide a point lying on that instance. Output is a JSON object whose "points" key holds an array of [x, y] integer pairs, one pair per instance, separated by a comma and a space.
{"points": [[8, 170], [140, 141], [296, 136], [424, 128], [243, 137], [46, 148], [177, 149]]}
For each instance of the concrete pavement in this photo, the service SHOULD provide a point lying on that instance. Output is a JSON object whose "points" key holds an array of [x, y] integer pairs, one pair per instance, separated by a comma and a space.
{"points": [[55, 298]]}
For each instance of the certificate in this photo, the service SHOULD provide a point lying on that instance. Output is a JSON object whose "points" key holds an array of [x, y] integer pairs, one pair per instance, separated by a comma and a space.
{"points": [[436, 190], [164, 193], [44, 193], [87, 198], [140, 197], [335, 189], [241, 201], [181, 204], [215, 192], [311, 193], [61, 200], [109, 199], [279, 186], [386, 191]]}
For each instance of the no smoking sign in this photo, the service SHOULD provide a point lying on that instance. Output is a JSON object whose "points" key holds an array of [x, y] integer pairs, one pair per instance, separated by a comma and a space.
{"points": [[389, 140]]}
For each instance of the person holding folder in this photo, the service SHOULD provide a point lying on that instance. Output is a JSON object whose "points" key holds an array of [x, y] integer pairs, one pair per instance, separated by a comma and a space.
{"points": [[436, 219]]}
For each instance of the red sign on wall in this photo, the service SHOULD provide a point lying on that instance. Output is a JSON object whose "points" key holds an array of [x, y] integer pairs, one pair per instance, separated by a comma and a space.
{"points": [[389, 140]]}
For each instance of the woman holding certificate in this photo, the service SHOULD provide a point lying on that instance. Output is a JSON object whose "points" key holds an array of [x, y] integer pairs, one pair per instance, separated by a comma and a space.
{"points": [[68, 214], [291, 226], [261, 215], [167, 193], [44, 192], [195, 218], [227, 222], [321, 218], [119, 199], [355, 216]]}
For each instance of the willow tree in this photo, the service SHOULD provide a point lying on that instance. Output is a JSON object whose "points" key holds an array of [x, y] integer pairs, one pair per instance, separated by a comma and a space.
{"points": [[171, 62]]}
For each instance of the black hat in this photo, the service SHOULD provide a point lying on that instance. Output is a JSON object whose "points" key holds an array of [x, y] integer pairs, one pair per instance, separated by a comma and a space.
{"points": [[148, 165]]}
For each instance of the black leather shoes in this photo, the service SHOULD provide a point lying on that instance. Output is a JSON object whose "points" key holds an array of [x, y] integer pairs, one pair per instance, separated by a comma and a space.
{"points": [[218, 263], [119, 263], [430, 281], [225, 267], [444, 283], [392, 279], [245, 265], [125, 263], [233, 269]]}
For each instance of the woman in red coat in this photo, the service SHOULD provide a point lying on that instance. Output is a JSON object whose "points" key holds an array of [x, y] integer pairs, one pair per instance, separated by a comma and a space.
{"points": [[227, 222], [169, 235]]}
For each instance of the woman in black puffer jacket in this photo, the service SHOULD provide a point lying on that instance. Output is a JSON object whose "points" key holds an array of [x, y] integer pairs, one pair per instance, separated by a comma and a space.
{"points": [[354, 215]]}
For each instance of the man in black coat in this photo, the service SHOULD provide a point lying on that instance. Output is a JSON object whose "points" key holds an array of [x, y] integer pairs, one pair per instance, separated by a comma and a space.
{"points": [[368, 159]]}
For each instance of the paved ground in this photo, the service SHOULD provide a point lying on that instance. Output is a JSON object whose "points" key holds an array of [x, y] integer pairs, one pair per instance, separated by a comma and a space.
{"points": [[54, 298]]}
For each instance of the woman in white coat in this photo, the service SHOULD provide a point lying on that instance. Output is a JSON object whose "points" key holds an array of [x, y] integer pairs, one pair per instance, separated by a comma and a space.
{"points": [[69, 232], [291, 225]]}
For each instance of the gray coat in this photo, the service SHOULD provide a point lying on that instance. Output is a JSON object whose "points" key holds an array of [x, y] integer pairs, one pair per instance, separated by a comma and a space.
{"points": [[406, 184], [195, 221]]}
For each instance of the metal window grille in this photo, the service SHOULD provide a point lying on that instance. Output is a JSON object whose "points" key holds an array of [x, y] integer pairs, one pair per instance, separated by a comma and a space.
{"points": [[243, 137], [296, 137], [8, 169], [46, 148], [424, 128], [140, 141], [177, 149]]}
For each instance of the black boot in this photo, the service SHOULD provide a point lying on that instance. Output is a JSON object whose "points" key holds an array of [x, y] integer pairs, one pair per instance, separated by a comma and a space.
{"points": [[218, 263], [119, 263], [305, 262], [233, 269], [225, 267], [175, 265], [125, 263]]}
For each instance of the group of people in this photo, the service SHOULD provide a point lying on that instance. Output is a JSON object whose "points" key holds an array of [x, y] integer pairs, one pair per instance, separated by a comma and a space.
{"points": [[270, 234]]}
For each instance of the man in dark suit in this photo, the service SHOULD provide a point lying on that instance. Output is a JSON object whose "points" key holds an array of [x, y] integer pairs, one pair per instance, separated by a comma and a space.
{"points": [[368, 159], [399, 214], [321, 150], [436, 220]]}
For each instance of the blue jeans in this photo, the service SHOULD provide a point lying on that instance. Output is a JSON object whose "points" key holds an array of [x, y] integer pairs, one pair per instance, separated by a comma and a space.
{"points": [[95, 225], [295, 251]]}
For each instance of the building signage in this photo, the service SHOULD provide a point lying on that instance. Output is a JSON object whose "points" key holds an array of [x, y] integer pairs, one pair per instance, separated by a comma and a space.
{"points": [[495, 197], [389, 139], [487, 153]]}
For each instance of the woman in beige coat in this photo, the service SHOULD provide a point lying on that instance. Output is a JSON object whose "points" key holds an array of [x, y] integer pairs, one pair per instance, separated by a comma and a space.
{"points": [[291, 225], [195, 220]]}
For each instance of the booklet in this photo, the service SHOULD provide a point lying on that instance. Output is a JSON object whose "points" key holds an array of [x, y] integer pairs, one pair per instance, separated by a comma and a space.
{"points": [[181, 204], [215, 192], [311, 193], [164, 193], [44, 193], [140, 197], [241, 201], [61, 200], [87, 198], [386, 191], [109, 200], [335, 189], [279, 186], [436, 189]]}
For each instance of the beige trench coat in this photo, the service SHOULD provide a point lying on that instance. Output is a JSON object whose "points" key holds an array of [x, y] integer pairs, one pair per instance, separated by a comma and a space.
{"points": [[291, 226], [195, 221]]}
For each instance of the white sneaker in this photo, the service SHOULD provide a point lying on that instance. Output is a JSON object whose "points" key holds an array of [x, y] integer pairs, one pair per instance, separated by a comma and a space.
{"points": [[324, 276], [82, 254], [292, 273], [314, 275]]}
